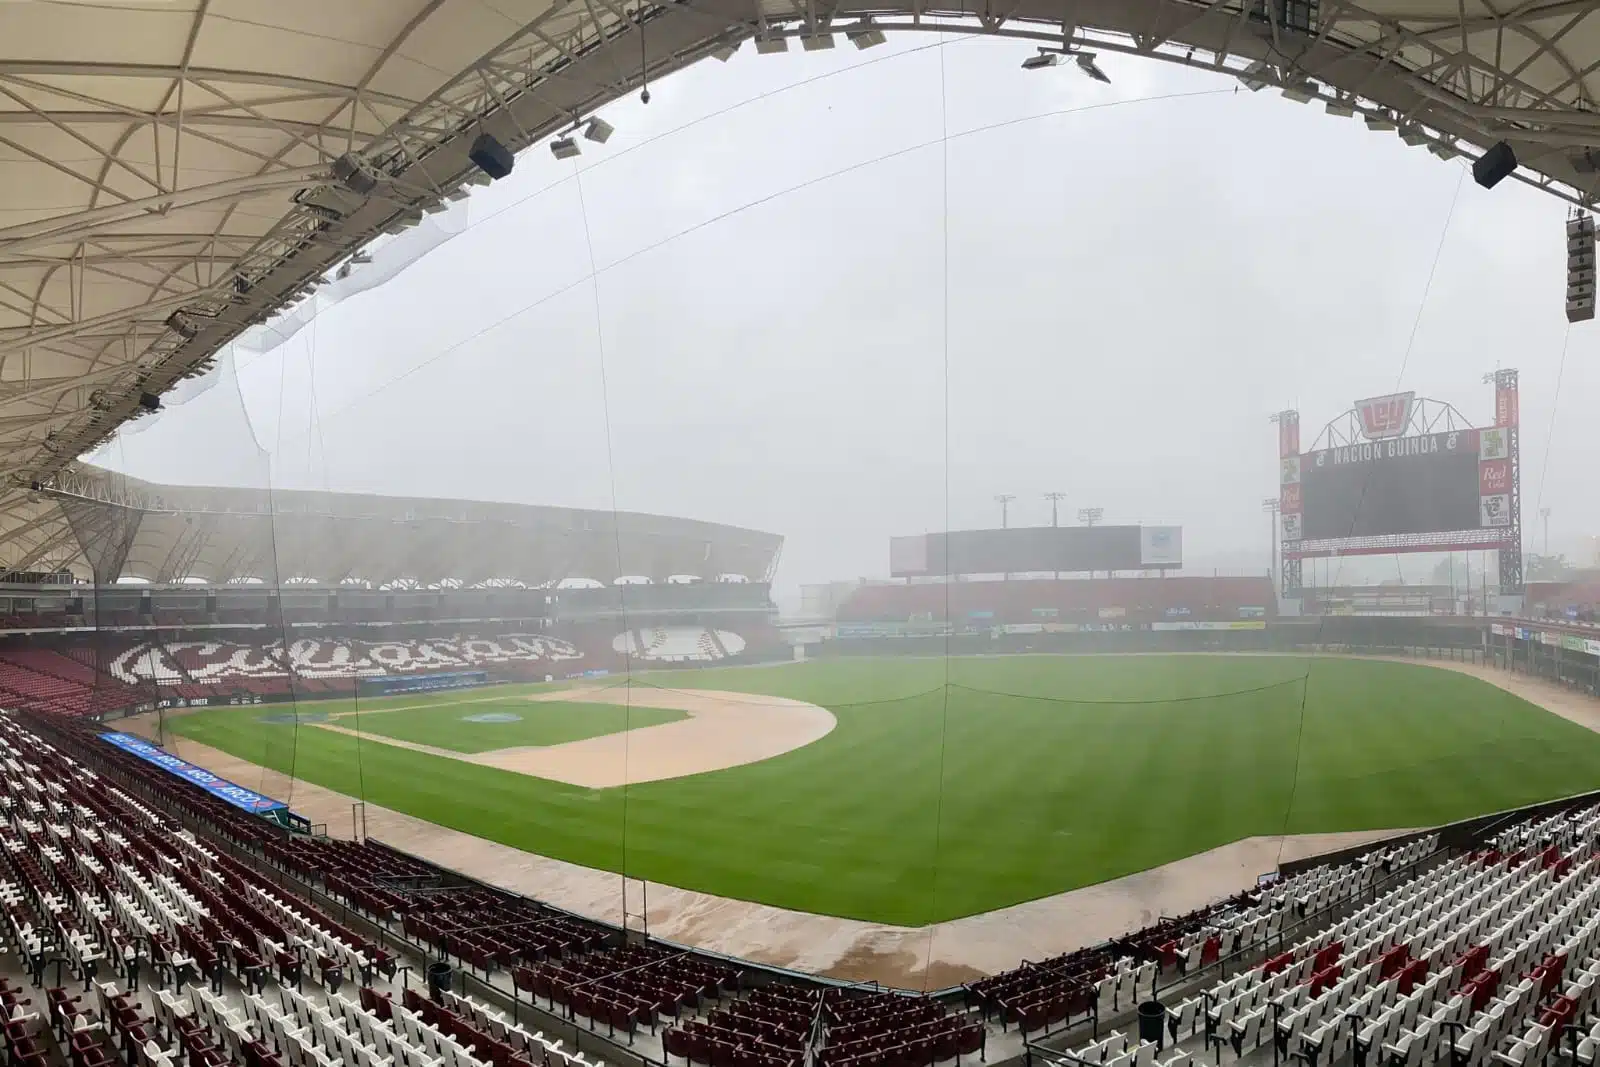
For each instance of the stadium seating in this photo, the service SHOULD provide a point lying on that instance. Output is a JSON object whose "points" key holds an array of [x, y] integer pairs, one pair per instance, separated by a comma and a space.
{"points": [[45, 679], [678, 644], [891, 1030], [629, 985], [227, 664], [770, 1026]]}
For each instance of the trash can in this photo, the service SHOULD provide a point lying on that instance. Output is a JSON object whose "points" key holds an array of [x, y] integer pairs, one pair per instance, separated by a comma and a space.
{"points": [[441, 976], [1152, 1022]]}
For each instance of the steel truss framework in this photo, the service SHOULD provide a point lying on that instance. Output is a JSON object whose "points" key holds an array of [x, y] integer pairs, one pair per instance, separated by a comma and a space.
{"points": [[199, 195]]}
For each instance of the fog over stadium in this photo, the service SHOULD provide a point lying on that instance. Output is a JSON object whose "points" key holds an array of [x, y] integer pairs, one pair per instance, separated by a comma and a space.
{"points": [[801, 326]]}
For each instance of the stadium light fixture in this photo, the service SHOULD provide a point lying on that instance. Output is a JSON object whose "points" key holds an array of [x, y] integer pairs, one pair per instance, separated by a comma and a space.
{"points": [[725, 53], [1379, 123], [1254, 76], [1413, 136], [1041, 61], [771, 46], [1090, 68], [866, 36], [598, 130], [1301, 92], [817, 42], [565, 148], [1342, 109], [1443, 150]]}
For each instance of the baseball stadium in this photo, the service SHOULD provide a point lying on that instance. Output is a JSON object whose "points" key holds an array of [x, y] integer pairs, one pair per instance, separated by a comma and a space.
{"points": [[556, 535]]}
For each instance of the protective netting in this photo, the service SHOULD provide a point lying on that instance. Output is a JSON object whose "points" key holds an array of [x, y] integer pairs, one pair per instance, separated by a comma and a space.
{"points": [[566, 522]]}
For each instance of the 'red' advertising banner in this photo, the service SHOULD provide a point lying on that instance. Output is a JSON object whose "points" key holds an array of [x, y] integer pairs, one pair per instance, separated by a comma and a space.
{"points": [[1288, 433], [1505, 401], [1494, 477]]}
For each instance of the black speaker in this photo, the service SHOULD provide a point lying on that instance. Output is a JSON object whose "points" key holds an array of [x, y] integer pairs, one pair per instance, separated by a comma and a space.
{"points": [[349, 170], [150, 401], [1494, 165], [491, 157]]}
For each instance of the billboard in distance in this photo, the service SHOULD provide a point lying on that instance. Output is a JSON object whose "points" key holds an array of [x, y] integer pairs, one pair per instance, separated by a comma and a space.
{"points": [[1037, 549], [1161, 546]]}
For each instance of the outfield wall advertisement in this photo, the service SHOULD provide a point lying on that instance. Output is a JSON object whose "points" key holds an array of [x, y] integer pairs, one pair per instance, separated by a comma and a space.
{"points": [[1567, 642], [237, 795]]}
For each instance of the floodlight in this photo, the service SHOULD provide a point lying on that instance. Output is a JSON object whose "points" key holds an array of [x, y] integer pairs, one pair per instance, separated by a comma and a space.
{"points": [[725, 53], [1379, 123], [817, 42], [1254, 76], [1413, 136], [182, 326], [1041, 61], [1339, 108], [564, 148], [771, 46], [1088, 66], [598, 130], [1443, 150], [867, 36], [1302, 92]]}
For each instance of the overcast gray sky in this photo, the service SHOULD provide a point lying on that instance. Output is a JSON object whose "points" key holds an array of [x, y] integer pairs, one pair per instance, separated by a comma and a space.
{"points": [[812, 264]]}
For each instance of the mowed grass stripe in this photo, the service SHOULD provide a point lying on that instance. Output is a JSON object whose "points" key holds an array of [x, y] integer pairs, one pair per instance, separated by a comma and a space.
{"points": [[1043, 790]]}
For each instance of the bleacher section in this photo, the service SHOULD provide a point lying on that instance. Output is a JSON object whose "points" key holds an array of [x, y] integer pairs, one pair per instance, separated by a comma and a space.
{"points": [[46, 680], [678, 644], [223, 663]]}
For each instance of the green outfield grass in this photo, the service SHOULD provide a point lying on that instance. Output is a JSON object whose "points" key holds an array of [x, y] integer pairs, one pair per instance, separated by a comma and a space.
{"points": [[950, 788], [446, 720]]}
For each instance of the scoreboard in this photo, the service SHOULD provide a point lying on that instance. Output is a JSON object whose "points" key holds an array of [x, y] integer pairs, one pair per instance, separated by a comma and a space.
{"points": [[1427, 483]]}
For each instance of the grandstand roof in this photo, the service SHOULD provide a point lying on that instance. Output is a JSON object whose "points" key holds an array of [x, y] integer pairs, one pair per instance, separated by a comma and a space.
{"points": [[168, 169], [107, 527]]}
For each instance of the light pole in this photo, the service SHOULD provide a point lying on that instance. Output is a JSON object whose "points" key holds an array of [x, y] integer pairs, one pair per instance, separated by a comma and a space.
{"points": [[1055, 516], [1004, 500], [1271, 505], [1091, 516]]}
